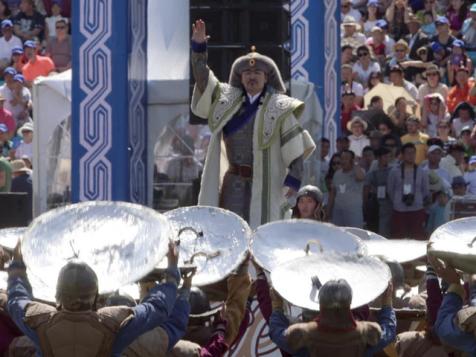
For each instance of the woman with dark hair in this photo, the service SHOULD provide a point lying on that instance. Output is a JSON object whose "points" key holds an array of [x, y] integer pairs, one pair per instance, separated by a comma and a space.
{"points": [[456, 14], [399, 115], [364, 65], [374, 79], [309, 204], [397, 15], [5, 12]]}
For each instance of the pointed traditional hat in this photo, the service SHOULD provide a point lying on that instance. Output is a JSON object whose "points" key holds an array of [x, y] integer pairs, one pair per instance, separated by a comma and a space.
{"points": [[257, 61]]}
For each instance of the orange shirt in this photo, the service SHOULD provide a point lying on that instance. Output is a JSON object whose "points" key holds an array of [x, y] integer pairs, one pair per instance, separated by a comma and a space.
{"points": [[457, 95], [41, 67]]}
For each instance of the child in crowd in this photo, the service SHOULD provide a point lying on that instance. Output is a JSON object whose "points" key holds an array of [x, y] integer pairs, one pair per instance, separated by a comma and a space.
{"points": [[438, 214], [50, 28]]}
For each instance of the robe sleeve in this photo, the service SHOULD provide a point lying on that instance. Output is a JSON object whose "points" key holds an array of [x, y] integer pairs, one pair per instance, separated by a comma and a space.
{"points": [[206, 84], [295, 141]]}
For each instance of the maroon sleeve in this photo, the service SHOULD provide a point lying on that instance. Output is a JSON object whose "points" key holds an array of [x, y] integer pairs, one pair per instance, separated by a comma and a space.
{"points": [[264, 299], [216, 346], [434, 300]]}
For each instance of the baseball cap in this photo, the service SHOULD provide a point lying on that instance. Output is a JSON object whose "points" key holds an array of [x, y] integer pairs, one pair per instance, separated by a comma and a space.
{"points": [[19, 78], [10, 70], [458, 181], [372, 3], [441, 20], [29, 44], [17, 51], [473, 8], [472, 160], [458, 43], [434, 147], [466, 128], [7, 23], [3, 128], [436, 46], [382, 24]]}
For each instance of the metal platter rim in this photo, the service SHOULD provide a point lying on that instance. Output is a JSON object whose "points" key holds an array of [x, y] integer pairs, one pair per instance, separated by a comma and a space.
{"points": [[362, 247]]}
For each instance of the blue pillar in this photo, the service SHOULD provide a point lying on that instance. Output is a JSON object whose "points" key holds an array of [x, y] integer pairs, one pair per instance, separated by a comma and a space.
{"points": [[316, 55], [109, 112]]}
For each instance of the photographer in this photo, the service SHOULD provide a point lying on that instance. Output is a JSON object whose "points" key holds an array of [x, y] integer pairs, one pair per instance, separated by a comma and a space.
{"points": [[408, 189]]}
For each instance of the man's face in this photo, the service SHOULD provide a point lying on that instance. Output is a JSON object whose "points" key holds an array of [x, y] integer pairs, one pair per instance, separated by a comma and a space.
{"points": [[400, 53], [368, 156], [7, 31], [347, 55], [413, 27], [346, 74], [27, 136], [25, 6], [409, 156], [464, 114], [346, 160], [357, 129], [396, 78], [342, 145], [461, 77], [348, 100], [3, 136], [254, 81], [349, 30], [412, 127], [384, 129], [325, 147], [459, 190], [8, 78], [29, 52], [442, 29], [458, 156], [345, 7], [391, 145], [434, 157], [384, 159]]}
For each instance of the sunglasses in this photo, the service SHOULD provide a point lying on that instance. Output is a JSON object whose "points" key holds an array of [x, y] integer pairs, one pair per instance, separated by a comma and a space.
{"points": [[345, 6], [60, 27], [432, 74], [362, 54], [400, 50]]}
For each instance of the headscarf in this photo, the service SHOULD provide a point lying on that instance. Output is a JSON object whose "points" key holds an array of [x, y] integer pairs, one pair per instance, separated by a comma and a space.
{"points": [[7, 168]]}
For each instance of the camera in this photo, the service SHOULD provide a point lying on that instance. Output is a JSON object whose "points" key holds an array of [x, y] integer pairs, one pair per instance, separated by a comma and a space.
{"points": [[408, 199]]}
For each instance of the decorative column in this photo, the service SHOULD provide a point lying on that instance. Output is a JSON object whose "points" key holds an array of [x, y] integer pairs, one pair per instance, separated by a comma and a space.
{"points": [[109, 108], [316, 55]]}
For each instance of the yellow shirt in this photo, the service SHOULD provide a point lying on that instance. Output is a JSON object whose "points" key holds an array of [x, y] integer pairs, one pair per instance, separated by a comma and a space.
{"points": [[419, 140]]}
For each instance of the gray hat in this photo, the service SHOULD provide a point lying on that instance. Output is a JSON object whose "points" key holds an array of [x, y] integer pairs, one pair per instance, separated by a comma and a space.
{"points": [[255, 60], [312, 191]]}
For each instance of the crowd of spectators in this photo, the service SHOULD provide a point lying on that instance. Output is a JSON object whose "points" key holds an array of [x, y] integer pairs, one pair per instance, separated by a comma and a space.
{"points": [[408, 144], [34, 41]]}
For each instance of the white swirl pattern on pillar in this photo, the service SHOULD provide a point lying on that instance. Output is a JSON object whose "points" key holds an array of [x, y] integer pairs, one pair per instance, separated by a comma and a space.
{"points": [[331, 89], [138, 101], [300, 39], [95, 77]]}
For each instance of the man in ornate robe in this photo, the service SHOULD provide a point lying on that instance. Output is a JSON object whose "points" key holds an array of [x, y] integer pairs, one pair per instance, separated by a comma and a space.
{"points": [[255, 156]]}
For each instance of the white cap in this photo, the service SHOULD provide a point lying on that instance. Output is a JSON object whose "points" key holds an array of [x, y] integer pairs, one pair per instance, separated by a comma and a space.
{"points": [[434, 147]]}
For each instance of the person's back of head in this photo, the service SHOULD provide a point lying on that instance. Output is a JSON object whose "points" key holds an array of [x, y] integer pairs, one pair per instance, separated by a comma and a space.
{"points": [[77, 287], [335, 294]]}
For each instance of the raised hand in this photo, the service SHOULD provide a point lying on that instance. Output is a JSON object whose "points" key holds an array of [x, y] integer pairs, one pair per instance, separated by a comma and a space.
{"points": [[199, 32]]}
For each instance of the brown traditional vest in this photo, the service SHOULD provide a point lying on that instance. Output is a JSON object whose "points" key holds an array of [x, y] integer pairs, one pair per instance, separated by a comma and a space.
{"points": [[76, 334], [153, 343], [22, 347], [185, 348], [348, 343]]}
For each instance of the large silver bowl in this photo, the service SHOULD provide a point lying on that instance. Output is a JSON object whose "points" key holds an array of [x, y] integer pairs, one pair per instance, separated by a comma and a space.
{"points": [[278, 242], [213, 239], [367, 276], [455, 243], [121, 242]]}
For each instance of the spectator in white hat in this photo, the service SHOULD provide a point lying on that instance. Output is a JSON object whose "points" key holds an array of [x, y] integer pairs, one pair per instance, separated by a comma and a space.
{"points": [[25, 149], [358, 140], [470, 176]]}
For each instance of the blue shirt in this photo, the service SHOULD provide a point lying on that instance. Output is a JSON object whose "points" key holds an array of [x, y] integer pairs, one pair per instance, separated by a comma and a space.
{"points": [[154, 310], [278, 324], [448, 331]]}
